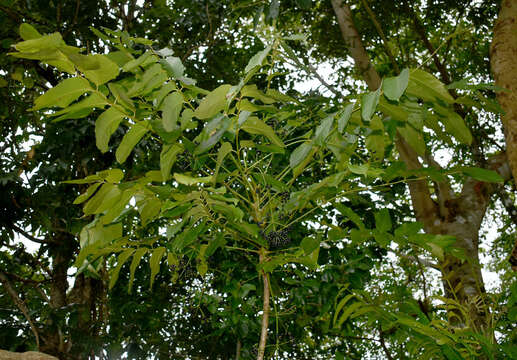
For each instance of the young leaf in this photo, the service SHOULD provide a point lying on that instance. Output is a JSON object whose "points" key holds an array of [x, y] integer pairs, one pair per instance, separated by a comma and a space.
{"points": [[28, 32], [214, 102], [105, 126], [171, 109], [173, 66], [150, 210], [256, 126], [394, 87], [129, 140], [369, 103], [63, 94], [483, 174], [454, 124], [154, 263]]}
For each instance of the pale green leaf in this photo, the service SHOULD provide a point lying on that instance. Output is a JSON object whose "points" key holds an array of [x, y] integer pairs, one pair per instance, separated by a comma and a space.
{"points": [[212, 140], [257, 59], [323, 130], [369, 103], [105, 71], [189, 180], [28, 32], [105, 126], [63, 94], [343, 118], [173, 66], [81, 108], [129, 140], [394, 87], [86, 195], [375, 141], [483, 174], [214, 102], [171, 110], [34, 45], [309, 244]]}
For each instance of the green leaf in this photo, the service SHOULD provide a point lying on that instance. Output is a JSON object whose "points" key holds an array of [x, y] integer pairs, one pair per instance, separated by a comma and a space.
{"points": [[323, 130], [375, 141], [256, 126], [168, 157], [34, 45], [214, 102], [150, 210], [154, 263], [171, 109], [116, 209], [121, 259], [299, 154], [86, 195], [63, 94], [369, 103], [224, 150], [309, 244], [135, 63], [483, 174], [129, 140], [343, 118], [383, 220], [105, 70], [257, 59], [106, 197], [105, 126], [139, 253], [214, 139], [81, 108], [454, 124], [28, 32], [173, 66], [121, 97], [426, 87], [189, 180], [412, 132], [394, 87]]}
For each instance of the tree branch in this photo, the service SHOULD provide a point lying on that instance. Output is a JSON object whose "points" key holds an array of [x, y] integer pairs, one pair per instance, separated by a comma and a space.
{"points": [[19, 303], [381, 34], [265, 311], [29, 236]]}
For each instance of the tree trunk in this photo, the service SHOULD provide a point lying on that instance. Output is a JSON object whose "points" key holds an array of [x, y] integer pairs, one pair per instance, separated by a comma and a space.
{"points": [[503, 55], [455, 215]]}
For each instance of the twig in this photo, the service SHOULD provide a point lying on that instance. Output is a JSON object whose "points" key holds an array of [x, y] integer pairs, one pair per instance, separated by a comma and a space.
{"points": [[30, 237]]}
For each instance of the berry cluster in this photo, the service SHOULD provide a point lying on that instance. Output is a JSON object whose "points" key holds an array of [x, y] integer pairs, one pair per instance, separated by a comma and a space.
{"points": [[278, 239]]}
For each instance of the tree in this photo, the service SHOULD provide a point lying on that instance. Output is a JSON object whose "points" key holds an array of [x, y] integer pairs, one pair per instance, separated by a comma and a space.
{"points": [[246, 164]]}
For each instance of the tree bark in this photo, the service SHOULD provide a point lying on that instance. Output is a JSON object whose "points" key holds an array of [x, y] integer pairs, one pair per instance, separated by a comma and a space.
{"points": [[503, 55], [456, 215]]}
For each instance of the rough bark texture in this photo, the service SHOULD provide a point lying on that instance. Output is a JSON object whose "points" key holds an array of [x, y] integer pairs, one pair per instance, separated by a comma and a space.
{"points": [[265, 313], [503, 59], [458, 215], [29, 355]]}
